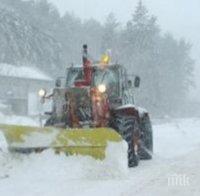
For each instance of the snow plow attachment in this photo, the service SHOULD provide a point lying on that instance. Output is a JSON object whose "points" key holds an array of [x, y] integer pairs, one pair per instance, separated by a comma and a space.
{"points": [[87, 142]]}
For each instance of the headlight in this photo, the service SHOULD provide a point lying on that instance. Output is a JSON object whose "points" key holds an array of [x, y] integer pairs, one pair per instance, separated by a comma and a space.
{"points": [[102, 88], [42, 92]]}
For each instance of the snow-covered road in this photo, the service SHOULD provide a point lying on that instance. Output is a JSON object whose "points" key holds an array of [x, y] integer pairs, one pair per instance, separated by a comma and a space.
{"points": [[174, 169]]}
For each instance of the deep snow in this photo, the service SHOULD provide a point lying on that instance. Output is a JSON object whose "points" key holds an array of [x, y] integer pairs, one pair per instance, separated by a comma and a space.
{"points": [[177, 153]]}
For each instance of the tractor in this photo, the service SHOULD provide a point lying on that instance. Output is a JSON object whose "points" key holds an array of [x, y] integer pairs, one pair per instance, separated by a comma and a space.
{"points": [[101, 95], [93, 107]]}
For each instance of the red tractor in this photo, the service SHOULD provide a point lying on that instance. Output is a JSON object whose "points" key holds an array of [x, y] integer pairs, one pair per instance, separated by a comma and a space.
{"points": [[101, 95]]}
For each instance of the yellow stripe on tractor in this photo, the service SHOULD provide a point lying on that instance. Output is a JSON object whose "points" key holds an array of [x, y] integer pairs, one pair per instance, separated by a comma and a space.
{"points": [[90, 141]]}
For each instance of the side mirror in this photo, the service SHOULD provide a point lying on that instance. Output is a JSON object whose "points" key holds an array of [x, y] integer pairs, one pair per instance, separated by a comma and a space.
{"points": [[137, 82], [58, 83]]}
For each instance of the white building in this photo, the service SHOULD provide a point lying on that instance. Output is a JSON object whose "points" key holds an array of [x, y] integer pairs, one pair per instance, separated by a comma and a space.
{"points": [[19, 88]]}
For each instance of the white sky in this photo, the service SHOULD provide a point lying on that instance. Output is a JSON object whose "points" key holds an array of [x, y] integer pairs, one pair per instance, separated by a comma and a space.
{"points": [[180, 17]]}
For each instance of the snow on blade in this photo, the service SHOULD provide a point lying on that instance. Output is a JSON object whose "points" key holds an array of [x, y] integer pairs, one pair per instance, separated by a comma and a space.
{"points": [[47, 165], [37, 139]]}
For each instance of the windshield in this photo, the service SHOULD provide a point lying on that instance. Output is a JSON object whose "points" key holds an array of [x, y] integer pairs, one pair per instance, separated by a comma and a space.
{"points": [[73, 75], [108, 77]]}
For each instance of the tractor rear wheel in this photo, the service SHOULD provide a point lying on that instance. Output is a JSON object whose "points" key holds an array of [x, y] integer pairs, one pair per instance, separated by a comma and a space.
{"points": [[146, 142], [128, 128]]}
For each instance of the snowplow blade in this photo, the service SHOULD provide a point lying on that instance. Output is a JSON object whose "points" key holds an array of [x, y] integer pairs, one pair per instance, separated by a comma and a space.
{"points": [[89, 141]]}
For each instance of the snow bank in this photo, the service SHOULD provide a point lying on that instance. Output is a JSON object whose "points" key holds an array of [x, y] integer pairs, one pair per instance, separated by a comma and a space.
{"points": [[17, 120], [50, 174], [176, 138], [114, 165], [37, 139], [177, 152], [53, 166]]}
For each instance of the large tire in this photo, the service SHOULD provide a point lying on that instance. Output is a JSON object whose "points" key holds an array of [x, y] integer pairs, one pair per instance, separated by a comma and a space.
{"points": [[127, 127], [146, 142]]}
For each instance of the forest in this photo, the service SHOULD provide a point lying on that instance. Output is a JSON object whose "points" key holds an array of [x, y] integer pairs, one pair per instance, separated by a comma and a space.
{"points": [[33, 33]]}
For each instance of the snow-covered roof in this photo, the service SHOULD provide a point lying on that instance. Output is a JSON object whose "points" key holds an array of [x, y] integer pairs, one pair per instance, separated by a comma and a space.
{"points": [[22, 72]]}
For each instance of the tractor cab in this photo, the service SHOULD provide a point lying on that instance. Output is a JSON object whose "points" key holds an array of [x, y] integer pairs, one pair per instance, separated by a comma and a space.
{"points": [[112, 80], [109, 89], [105, 80]]}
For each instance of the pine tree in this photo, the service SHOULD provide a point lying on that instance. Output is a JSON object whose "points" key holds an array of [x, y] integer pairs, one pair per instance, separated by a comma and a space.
{"points": [[109, 32], [163, 63], [140, 52], [92, 34], [176, 74]]}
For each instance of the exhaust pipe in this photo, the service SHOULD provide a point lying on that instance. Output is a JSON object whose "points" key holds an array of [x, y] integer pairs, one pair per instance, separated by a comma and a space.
{"points": [[85, 54], [87, 69]]}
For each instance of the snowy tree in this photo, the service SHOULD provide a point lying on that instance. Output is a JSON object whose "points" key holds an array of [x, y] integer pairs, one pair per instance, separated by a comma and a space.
{"points": [[175, 75], [69, 35], [163, 63], [110, 35], [23, 44], [140, 40], [92, 34]]}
